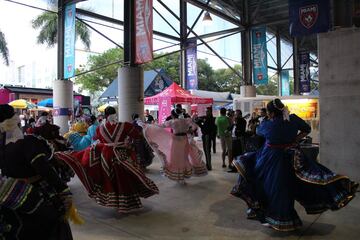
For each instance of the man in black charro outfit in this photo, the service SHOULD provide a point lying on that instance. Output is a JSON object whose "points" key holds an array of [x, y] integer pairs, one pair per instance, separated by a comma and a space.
{"points": [[35, 205]]}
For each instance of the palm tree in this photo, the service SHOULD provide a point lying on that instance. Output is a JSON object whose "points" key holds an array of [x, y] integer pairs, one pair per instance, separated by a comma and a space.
{"points": [[3, 48], [47, 22]]}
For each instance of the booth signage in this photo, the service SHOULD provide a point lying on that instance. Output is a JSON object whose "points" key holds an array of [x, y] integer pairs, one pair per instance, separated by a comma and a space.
{"points": [[69, 41], [164, 109], [143, 31], [191, 65], [259, 52], [304, 72], [308, 17]]}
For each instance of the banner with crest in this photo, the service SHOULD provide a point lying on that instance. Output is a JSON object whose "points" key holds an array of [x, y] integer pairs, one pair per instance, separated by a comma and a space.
{"points": [[309, 17]]}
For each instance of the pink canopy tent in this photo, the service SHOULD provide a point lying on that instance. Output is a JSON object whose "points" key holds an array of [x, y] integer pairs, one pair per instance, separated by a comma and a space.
{"points": [[171, 95], [176, 94]]}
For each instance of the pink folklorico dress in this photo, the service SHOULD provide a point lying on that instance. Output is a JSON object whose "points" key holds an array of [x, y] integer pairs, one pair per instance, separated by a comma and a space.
{"points": [[180, 156]]}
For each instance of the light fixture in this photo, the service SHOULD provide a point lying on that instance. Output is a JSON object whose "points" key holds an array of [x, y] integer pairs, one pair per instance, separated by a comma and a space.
{"points": [[207, 18]]}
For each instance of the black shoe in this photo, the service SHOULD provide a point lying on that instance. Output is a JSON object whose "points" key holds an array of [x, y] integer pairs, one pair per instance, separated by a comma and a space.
{"points": [[251, 214], [224, 165]]}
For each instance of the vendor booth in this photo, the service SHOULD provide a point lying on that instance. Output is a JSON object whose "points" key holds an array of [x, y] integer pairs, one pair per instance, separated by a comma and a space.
{"points": [[306, 107], [172, 95]]}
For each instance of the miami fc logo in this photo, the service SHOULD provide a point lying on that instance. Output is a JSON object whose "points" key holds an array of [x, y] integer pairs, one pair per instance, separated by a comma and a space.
{"points": [[308, 15]]}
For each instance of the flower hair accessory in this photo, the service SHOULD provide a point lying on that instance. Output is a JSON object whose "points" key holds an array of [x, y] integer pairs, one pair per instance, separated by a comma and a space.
{"points": [[286, 113]]}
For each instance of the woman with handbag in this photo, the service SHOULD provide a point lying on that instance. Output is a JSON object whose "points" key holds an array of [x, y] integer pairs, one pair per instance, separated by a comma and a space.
{"points": [[33, 198]]}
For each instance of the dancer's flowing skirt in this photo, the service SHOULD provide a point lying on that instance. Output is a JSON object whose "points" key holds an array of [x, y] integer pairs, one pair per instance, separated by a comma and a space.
{"points": [[180, 156], [111, 176], [271, 180]]}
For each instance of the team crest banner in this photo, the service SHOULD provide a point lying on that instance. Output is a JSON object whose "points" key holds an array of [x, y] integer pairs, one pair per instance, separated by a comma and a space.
{"points": [[308, 17], [259, 52], [143, 31]]}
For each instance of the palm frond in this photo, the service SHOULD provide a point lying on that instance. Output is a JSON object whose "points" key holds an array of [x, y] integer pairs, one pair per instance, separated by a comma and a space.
{"points": [[83, 32], [47, 23], [4, 51]]}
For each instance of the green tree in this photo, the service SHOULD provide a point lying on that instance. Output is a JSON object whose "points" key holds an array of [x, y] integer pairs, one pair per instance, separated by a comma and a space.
{"points": [[269, 89], [3, 48], [227, 80], [170, 63], [47, 23], [102, 78], [206, 76]]}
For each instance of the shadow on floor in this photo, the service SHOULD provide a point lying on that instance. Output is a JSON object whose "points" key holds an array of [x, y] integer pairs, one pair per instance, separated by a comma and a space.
{"points": [[317, 229], [230, 214]]}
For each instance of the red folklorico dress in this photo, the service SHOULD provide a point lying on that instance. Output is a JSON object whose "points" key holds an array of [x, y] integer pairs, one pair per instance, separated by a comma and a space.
{"points": [[108, 169]]}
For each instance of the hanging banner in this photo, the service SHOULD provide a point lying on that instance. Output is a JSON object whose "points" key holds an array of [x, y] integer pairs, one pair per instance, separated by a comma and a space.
{"points": [[69, 41], [285, 86], [164, 109], [304, 72], [308, 17], [191, 65], [143, 31], [259, 52]]}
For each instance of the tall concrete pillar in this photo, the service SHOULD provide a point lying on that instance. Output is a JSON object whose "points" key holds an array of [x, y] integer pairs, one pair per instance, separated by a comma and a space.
{"points": [[63, 97], [247, 91], [339, 76], [131, 92]]}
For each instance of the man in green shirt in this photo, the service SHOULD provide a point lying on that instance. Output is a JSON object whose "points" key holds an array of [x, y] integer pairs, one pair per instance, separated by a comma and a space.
{"points": [[224, 124]]}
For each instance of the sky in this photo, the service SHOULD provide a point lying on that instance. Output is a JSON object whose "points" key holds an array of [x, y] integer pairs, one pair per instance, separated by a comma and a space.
{"points": [[15, 23]]}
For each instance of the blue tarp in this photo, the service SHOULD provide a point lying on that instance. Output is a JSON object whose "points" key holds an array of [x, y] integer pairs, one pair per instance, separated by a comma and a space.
{"points": [[227, 106], [48, 102]]}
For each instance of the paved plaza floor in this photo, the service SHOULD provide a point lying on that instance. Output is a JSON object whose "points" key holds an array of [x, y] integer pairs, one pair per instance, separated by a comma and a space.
{"points": [[203, 209]]}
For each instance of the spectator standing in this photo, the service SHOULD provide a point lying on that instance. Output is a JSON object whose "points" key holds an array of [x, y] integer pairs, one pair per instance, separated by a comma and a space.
{"points": [[148, 117], [208, 129], [223, 124]]}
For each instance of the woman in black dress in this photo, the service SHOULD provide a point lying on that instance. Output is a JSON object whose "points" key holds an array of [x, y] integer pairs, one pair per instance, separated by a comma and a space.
{"points": [[33, 199]]}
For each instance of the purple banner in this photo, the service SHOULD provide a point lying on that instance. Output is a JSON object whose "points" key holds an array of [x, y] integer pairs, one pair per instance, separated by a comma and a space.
{"points": [[304, 72], [191, 65], [308, 17]]}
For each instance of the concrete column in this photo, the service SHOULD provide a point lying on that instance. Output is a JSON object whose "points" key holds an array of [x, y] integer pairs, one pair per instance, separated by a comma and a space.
{"points": [[247, 91], [63, 97], [339, 76], [131, 92]]}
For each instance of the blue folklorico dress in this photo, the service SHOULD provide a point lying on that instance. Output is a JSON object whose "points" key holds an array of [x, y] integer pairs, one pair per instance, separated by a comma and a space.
{"points": [[277, 174]]}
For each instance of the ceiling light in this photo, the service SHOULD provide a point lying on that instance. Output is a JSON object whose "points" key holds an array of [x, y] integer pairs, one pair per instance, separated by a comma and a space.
{"points": [[207, 18]]}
